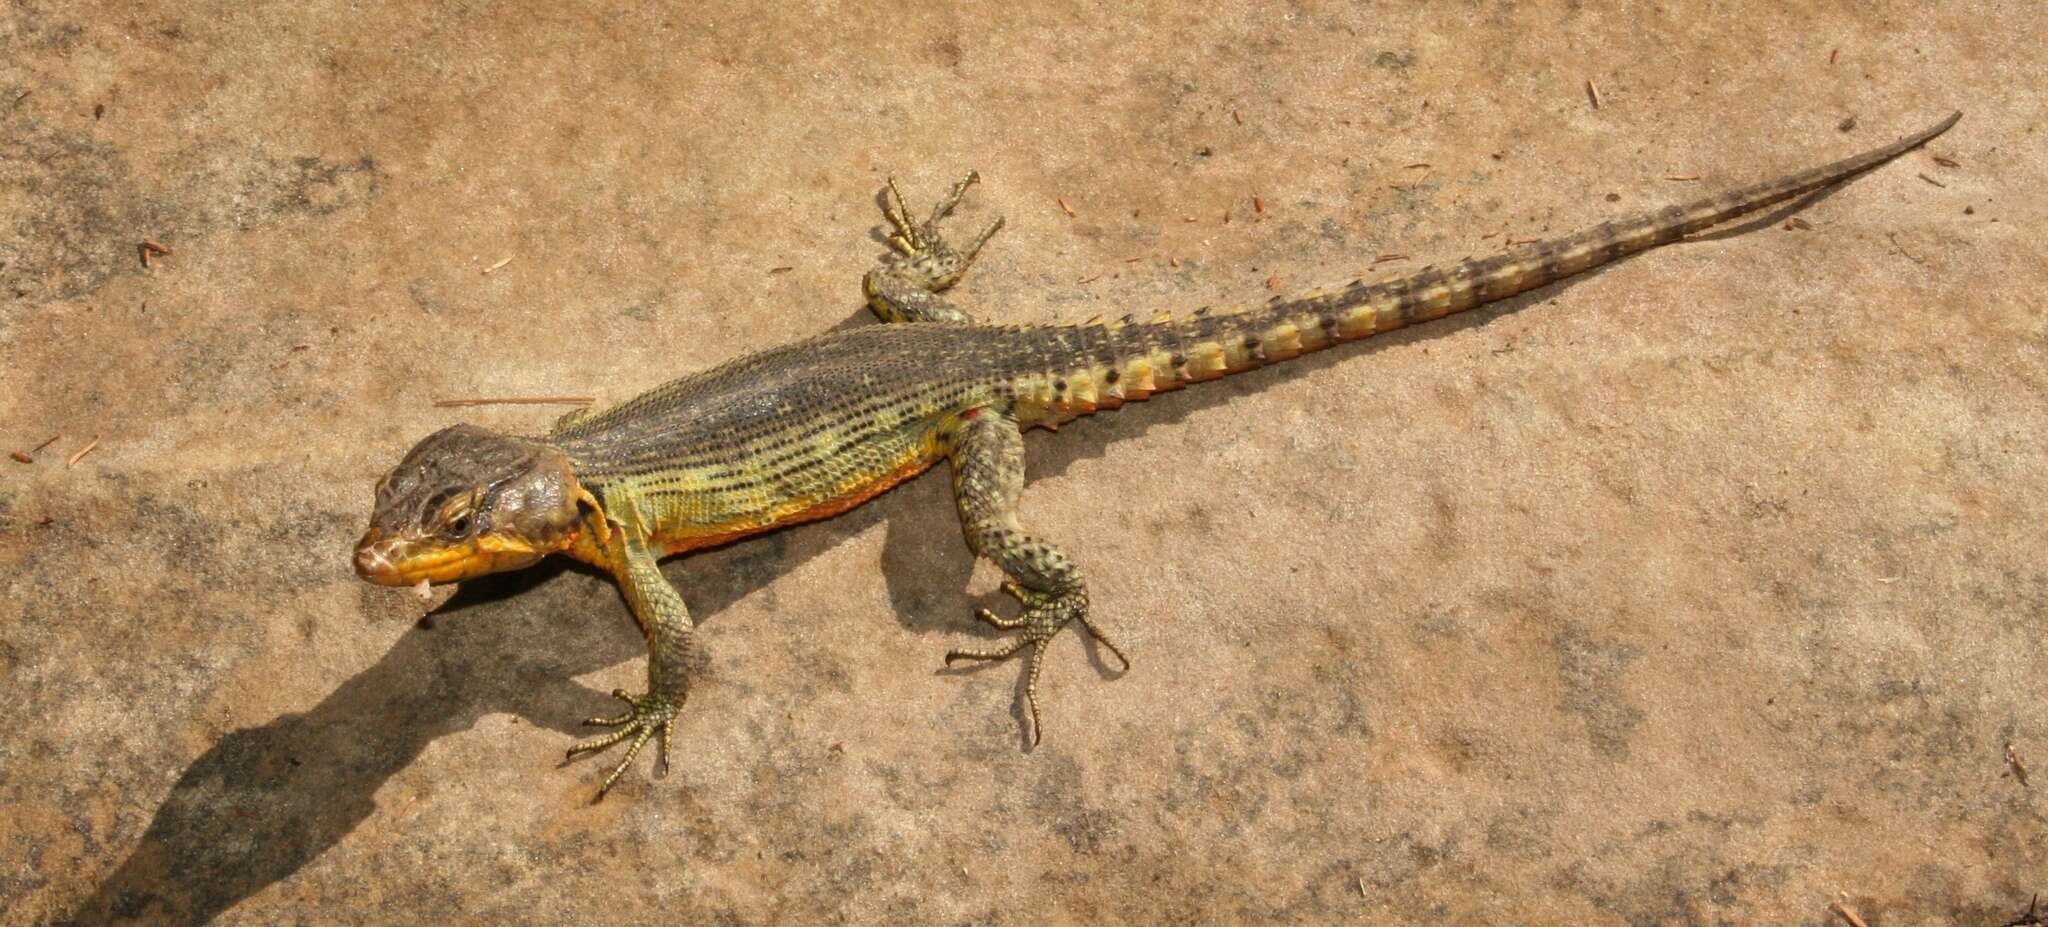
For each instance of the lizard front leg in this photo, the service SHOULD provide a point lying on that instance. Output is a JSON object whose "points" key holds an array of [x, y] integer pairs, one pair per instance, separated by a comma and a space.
{"points": [[988, 478], [671, 637], [906, 287]]}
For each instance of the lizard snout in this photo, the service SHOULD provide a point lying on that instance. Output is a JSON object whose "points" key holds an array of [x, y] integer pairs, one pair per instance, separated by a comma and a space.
{"points": [[374, 561]]}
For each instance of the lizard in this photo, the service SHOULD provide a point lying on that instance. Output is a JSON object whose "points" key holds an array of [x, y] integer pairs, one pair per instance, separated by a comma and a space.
{"points": [[813, 428]]}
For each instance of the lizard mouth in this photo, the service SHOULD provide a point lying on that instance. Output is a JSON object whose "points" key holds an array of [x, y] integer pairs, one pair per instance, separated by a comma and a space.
{"points": [[407, 562]]}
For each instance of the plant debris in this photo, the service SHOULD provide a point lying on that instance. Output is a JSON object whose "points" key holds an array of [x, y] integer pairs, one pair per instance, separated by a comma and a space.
{"points": [[517, 401], [151, 246], [87, 449]]}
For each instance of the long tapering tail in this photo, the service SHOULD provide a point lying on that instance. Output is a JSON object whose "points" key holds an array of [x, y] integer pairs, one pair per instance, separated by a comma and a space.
{"points": [[1106, 364]]}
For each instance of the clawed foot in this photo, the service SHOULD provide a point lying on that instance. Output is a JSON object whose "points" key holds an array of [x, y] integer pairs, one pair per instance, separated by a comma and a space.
{"points": [[1044, 614], [646, 716], [937, 264]]}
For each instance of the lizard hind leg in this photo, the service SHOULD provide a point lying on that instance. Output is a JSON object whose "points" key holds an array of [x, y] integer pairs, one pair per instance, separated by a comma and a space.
{"points": [[988, 477], [905, 287]]}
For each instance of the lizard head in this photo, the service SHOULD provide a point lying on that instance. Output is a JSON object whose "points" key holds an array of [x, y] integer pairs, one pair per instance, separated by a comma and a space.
{"points": [[468, 501]]}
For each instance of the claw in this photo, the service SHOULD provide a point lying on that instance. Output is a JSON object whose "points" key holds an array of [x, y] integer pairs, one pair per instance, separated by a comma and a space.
{"points": [[639, 740], [1044, 614], [906, 238], [915, 240], [649, 716], [944, 208], [986, 234], [997, 653], [1104, 640]]}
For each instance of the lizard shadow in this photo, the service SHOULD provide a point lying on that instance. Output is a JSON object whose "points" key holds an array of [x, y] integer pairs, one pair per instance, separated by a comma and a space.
{"points": [[264, 801]]}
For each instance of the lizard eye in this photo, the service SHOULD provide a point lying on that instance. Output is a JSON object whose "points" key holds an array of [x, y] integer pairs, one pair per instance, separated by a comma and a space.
{"points": [[457, 527]]}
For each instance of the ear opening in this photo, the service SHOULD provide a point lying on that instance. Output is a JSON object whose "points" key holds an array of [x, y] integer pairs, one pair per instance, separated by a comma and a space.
{"points": [[603, 521]]}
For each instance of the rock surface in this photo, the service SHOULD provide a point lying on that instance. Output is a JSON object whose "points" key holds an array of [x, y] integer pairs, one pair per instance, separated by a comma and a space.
{"points": [[1706, 589]]}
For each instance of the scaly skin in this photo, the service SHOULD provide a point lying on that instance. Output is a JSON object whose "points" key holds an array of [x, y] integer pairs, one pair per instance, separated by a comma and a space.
{"points": [[811, 429]]}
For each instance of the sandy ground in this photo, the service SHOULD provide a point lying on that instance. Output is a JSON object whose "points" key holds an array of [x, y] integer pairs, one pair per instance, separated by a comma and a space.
{"points": [[1707, 589]]}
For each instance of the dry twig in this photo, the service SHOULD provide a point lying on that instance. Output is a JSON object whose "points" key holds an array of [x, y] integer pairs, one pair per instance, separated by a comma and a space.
{"points": [[87, 449], [517, 401], [1848, 915], [149, 247]]}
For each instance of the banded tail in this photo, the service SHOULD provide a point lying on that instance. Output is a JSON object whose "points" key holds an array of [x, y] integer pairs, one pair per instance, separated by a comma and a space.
{"points": [[1099, 365]]}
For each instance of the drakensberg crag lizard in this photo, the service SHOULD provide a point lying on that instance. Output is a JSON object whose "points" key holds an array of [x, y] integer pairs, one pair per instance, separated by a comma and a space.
{"points": [[811, 429]]}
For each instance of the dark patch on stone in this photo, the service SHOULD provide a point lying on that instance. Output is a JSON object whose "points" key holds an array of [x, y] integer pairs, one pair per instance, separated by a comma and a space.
{"points": [[1395, 61], [1591, 671], [86, 209]]}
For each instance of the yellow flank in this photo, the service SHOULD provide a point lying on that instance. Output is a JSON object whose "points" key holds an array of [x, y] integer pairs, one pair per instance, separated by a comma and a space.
{"points": [[824, 500]]}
